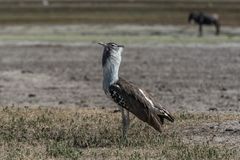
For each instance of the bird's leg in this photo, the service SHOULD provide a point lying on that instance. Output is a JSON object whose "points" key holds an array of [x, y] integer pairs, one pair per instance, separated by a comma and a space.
{"points": [[125, 122], [128, 119]]}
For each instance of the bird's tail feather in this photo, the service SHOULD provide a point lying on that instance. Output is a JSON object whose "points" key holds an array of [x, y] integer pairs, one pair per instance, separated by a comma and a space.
{"points": [[168, 116], [163, 113]]}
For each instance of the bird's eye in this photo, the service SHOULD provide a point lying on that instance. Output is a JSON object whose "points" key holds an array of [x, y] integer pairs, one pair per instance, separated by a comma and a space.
{"points": [[113, 45]]}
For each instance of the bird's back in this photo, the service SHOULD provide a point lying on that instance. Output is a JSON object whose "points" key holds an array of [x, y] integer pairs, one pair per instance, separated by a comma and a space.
{"points": [[138, 102]]}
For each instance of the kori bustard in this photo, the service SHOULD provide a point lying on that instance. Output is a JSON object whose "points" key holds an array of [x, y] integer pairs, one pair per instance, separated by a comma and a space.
{"points": [[128, 96]]}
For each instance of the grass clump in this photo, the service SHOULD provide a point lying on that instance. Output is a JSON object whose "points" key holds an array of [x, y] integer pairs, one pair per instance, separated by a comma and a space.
{"points": [[73, 133], [62, 148]]}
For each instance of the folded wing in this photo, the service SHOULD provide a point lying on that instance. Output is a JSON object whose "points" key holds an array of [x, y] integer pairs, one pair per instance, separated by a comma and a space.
{"points": [[139, 103]]}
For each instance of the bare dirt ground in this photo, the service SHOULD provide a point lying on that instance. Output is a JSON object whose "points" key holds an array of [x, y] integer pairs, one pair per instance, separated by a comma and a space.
{"points": [[192, 78], [184, 78]]}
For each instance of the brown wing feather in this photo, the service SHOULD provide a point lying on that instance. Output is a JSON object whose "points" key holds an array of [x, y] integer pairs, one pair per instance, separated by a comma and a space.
{"points": [[139, 106]]}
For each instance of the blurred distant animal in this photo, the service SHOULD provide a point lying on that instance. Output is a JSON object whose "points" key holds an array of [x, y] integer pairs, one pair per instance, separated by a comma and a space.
{"points": [[201, 19], [127, 95]]}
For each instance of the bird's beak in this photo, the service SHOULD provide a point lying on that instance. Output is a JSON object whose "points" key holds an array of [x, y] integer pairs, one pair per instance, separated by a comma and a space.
{"points": [[104, 45]]}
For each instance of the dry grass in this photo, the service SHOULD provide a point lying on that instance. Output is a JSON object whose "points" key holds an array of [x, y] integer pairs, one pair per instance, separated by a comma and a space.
{"points": [[73, 133]]}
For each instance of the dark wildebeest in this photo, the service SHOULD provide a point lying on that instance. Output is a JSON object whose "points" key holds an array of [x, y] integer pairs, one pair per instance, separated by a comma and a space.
{"points": [[204, 19]]}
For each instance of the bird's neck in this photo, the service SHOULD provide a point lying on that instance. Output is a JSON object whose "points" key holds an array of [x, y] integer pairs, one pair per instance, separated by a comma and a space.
{"points": [[110, 74]]}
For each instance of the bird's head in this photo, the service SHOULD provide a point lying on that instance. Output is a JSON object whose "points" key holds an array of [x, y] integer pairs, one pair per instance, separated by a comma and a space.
{"points": [[111, 53]]}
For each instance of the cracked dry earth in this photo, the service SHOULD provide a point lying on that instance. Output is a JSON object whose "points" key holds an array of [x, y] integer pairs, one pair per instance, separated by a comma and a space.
{"points": [[189, 78]]}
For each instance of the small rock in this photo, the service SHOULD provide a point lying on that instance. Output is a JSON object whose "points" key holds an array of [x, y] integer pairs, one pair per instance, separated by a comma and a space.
{"points": [[60, 102], [229, 129], [237, 131], [86, 78], [223, 89], [143, 76], [116, 110], [211, 127], [26, 71], [212, 109], [31, 95], [73, 78]]}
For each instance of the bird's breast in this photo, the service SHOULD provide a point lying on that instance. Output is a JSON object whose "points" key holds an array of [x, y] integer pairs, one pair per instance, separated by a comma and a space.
{"points": [[117, 97]]}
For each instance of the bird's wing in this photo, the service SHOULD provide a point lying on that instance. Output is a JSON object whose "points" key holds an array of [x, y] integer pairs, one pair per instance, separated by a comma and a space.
{"points": [[139, 103]]}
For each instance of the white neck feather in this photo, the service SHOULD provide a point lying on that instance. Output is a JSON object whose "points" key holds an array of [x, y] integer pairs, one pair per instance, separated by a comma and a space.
{"points": [[110, 70]]}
